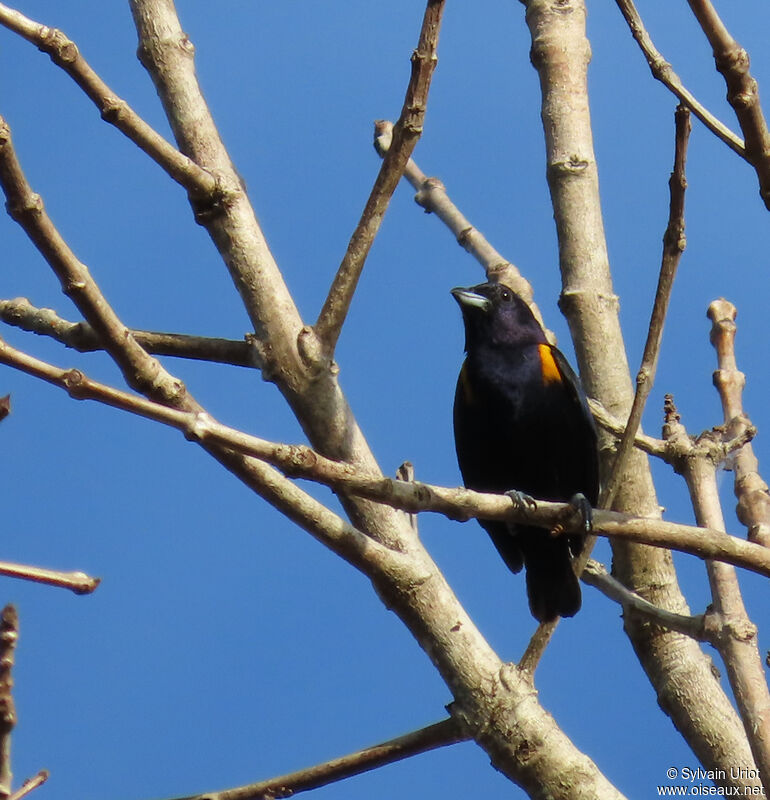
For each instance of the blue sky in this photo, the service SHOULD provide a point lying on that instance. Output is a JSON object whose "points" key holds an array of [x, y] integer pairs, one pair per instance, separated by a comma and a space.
{"points": [[224, 644]]}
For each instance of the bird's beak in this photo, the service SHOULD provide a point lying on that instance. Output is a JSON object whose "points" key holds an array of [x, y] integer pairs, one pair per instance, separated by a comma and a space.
{"points": [[471, 299]]}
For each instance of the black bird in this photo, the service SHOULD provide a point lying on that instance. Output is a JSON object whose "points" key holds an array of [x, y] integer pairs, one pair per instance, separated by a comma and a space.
{"points": [[521, 422]]}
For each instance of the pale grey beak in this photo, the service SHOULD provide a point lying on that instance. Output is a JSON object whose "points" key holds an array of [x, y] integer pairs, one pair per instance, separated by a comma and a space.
{"points": [[467, 297]]}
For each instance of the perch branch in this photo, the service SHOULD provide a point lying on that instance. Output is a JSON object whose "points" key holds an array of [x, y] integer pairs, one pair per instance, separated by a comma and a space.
{"points": [[752, 492], [229, 446], [9, 635], [734, 635], [440, 734], [459, 503], [662, 71], [65, 54], [732, 61], [405, 135], [81, 336]]}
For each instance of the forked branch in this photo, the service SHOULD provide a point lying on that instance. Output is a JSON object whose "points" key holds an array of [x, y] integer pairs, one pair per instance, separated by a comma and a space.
{"points": [[663, 71], [65, 54], [141, 371], [734, 635]]}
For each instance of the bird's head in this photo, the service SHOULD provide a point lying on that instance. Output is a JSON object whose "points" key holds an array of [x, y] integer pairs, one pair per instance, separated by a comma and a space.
{"points": [[494, 314]]}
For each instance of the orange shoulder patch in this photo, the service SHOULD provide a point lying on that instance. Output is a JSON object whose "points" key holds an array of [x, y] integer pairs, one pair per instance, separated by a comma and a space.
{"points": [[548, 365]]}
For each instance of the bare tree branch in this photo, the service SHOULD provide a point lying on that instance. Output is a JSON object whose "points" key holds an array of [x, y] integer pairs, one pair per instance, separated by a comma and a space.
{"points": [[288, 350], [30, 785], [686, 688], [642, 441], [65, 54], [596, 575], [736, 635], [662, 71], [752, 492], [440, 734], [146, 374], [742, 91], [459, 503], [77, 582], [673, 247], [433, 197], [81, 336], [140, 370], [167, 53], [486, 693], [405, 135], [9, 635]]}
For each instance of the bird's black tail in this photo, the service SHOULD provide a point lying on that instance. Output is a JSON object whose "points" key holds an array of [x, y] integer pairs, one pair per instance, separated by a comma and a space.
{"points": [[552, 586]]}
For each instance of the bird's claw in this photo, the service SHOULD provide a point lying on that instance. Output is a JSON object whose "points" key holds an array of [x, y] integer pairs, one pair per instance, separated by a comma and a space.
{"points": [[520, 500], [580, 505]]}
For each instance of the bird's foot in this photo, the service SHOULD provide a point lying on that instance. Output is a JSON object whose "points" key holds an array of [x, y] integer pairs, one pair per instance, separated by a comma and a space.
{"points": [[520, 500], [579, 508]]}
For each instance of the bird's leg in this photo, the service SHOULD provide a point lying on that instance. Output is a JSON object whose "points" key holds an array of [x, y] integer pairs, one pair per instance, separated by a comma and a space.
{"points": [[581, 505]]}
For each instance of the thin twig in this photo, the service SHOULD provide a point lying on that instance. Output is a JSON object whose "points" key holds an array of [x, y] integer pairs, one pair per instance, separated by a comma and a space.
{"points": [[596, 575], [536, 646], [458, 503], [30, 785], [662, 71], [65, 54], [77, 582], [405, 135], [733, 634], [642, 441], [752, 492], [81, 336], [9, 635], [431, 194], [673, 247], [440, 734], [742, 91]]}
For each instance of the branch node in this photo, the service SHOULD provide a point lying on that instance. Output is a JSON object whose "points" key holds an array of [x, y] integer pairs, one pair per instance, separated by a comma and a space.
{"points": [[58, 45], [113, 109], [73, 381]]}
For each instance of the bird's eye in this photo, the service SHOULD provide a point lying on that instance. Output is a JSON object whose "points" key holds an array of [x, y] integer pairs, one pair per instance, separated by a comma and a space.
{"points": [[506, 295]]}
